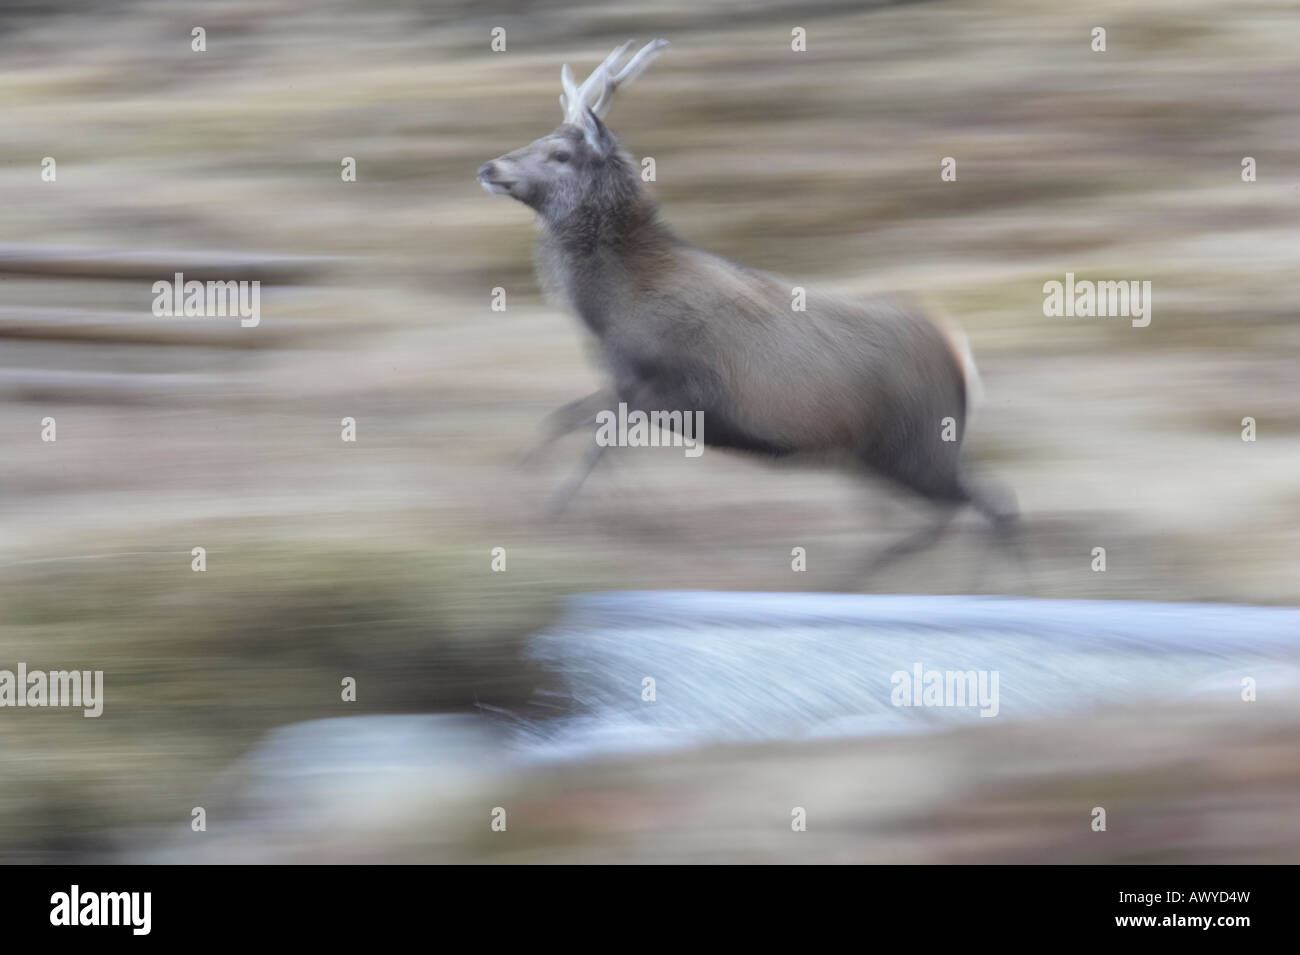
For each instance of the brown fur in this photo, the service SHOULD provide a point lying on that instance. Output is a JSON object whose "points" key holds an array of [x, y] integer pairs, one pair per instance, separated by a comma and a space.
{"points": [[680, 329]]}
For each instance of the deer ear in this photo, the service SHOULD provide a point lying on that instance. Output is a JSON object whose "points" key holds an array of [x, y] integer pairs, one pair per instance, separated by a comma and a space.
{"points": [[596, 133]]}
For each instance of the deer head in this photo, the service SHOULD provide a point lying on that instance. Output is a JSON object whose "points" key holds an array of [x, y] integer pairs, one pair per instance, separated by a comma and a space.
{"points": [[580, 163]]}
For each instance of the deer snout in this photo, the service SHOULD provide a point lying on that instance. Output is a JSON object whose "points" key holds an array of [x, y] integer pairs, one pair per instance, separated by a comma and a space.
{"points": [[494, 179]]}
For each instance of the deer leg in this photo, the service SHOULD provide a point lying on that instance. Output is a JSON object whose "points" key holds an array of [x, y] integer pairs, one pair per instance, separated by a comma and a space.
{"points": [[562, 498], [595, 451], [569, 418], [911, 544], [1009, 535], [998, 504]]}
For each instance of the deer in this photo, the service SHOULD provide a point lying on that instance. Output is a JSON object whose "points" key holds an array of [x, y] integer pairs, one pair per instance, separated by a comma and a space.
{"points": [[878, 384]]}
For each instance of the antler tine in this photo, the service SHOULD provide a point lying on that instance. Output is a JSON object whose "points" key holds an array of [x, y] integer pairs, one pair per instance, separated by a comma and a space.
{"points": [[607, 65], [597, 89], [570, 94], [636, 66], [633, 68]]}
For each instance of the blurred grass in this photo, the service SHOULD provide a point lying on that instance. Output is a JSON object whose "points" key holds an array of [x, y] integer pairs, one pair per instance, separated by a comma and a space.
{"points": [[199, 665]]}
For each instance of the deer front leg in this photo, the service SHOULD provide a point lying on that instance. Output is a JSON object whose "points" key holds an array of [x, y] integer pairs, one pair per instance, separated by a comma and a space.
{"points": [[564, 496], [594, 404], [569, 418]]}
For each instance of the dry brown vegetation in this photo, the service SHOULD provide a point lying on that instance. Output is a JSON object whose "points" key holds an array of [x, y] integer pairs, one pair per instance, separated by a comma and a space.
{"points": [[373, 559]]}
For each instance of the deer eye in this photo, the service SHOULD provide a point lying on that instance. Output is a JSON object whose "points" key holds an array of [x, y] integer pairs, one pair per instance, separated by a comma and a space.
{"points": [[560, 156]]}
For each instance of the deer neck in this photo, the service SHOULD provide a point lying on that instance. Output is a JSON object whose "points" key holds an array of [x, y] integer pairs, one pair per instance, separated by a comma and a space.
{"points": [[594, 259]]}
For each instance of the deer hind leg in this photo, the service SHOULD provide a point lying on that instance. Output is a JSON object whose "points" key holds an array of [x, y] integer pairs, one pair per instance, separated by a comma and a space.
{"points": [[997, 503], [933, 477], [948, 489], [913, 543]]}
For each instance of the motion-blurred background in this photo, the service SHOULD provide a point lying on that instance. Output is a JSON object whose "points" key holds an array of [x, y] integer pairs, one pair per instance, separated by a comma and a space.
{"points": [[373, 560]]}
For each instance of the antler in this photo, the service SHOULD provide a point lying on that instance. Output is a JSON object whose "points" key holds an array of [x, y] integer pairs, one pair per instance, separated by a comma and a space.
{"points": [[597, 90]]}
